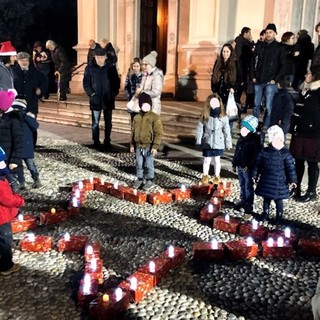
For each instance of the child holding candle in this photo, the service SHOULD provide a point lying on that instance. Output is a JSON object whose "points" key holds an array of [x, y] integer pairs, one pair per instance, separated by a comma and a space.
{"points": [[274, 173], [146, 137], [213, 136], [8, 210], [247, 149]]}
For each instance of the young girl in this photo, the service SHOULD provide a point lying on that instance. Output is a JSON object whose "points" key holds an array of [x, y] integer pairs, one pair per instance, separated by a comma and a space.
{"points": [[274, 172], [213, 136]]}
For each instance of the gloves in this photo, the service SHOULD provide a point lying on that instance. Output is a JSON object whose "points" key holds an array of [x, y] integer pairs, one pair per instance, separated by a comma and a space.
{"points": [[153, 152]]}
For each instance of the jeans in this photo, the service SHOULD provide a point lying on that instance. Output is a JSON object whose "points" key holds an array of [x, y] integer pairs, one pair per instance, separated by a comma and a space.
{"points": [[270, 91], [6, 241], [144, 158], [246, 188], [107, 116], [31, 167]]}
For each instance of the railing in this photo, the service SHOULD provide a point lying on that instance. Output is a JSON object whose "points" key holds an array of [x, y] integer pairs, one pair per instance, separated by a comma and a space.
{"points": [[75, 70]]}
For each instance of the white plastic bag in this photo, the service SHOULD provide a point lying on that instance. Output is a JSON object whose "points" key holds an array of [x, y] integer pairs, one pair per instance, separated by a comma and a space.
{"points": [[232, 109], [133, 105]]}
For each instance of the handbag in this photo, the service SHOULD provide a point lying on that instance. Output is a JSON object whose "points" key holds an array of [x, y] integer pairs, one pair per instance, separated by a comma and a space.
{"points": [[232, 110], [133, 105]]}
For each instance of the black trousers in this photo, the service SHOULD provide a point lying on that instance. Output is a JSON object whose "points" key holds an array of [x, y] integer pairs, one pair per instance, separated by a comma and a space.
{"points": [[6, 241], [313, 174], [278, 202]]}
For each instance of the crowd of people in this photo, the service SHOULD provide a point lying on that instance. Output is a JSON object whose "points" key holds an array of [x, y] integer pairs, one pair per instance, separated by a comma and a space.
{"points": [[282, 79]]}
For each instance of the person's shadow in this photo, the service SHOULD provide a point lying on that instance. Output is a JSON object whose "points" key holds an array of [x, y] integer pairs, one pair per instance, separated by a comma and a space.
{"points": [[187, 87]]}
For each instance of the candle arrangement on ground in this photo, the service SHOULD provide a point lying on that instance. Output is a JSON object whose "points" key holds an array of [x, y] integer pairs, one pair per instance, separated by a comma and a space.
{"points": [[254, 230], [242, 249], [160, 197], [181, 193], [23, 222], [280, 248], [201, 190], [72, 242], [226, 223], [135, 196], [118, 190], [211, 251], [36, 243], [210, 210], [53, 216]]}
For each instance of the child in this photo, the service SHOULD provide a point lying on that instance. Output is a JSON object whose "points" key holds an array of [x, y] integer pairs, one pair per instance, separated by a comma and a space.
{"points": [[8, 210], [213, 136], [274, 171], [244, 159], [145, 140], [30, 125]]}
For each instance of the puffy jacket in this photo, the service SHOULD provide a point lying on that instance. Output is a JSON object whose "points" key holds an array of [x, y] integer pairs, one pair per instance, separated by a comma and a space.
{"points": [[274, 170], [9, 202], [146, 130], [268, 62], [102, 85], [214, 134], [152, 84]]}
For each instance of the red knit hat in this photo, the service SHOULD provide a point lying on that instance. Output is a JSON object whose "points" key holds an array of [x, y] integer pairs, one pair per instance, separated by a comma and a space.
{"points": [[7, 49]]}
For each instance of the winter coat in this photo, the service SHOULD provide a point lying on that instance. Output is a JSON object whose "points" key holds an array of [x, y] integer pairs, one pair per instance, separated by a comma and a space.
{"points": [[130, 85], [305, 124], [146, 130], [247, 150], [6, 80], [274, 171], [101, 85], [289, 50], [283, 104], [244, 55], [9, 202], [11, 136], [26, 84], [45, 63], [214, 134], [61, 63], [306, 49], [268, 62], [152, 84]]}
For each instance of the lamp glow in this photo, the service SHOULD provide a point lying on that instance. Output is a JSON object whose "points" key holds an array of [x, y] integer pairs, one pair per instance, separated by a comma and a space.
{"points": [[116, 185], [118, 293], [152, 267], [270, 242], [93, 265], [20, 217], [105, 298], [133, 283], [183, 188], [214, 244], [280, 242], [67, 236], [31, 237], [249, 241], [89, 250], [210, 208], [171, 251], [287, 232], [77, 193], [87, 284], [227, 218], [254, 224], [80, 185]]}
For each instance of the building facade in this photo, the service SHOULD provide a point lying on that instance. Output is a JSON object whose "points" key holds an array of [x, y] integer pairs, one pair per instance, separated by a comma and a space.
{"points": [[187, 34]]}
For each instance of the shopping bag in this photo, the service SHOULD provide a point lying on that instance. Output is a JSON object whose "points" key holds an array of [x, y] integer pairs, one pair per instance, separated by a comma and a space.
{"points": [[232, 110], [133, 105]]}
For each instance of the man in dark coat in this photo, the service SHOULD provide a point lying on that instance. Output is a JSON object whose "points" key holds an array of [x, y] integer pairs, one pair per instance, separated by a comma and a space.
{"points": [[101, 83], [267, 66], [61, 66]]}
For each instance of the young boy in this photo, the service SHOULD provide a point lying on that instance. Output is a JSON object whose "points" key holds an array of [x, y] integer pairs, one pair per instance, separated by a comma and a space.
{"points": [[145, 140], [274, 173], [247, 149], [8, 210]]}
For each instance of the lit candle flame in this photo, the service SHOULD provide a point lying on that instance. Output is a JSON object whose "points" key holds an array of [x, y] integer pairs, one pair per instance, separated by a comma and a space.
{"points": [[20, 217], [102, 181], [116, 185], [254, 224], [171, 251], [77, 193], [105, 298], [80, 185], [215, 200], [287, 232], [133, 283], [210, 208], [135, 192], [270, 242], [74, 202], [53, 210], [227, 218], [280, 242], [87, 284], [89, 250], [161, 192], [67, 236], [118, 293], [214, 244], [249, 242], [31, 237], [183, 188], [91, 179], [152, 267], [93, 265]]}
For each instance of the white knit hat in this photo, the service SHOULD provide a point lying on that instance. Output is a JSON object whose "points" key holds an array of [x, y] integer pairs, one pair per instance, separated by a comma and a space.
{"points": [[151, 58], [275, 132]]}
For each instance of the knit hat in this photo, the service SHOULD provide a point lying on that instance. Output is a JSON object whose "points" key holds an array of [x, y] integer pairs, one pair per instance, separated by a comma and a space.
{"points": [[275, 132], [6, 100], [271, 26], [250, 122], [7, 49], [144, 98], [20, 103], [151, 58], [23, 55]]}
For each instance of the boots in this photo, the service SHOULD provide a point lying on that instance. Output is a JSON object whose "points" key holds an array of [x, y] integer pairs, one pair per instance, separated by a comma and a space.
{"points": [[216, 180], [265, 215], [278, 220], [205, 179]]}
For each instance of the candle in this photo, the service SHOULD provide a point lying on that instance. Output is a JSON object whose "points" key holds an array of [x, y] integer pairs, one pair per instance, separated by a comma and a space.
{"points": [[215, 200], [254, 224], [171, 251], [227, 218], [183, 188], [20, 217], [133, 283], [93, 264], [287, 232], [249, 241], [270, 242], [31, 237], [161, 192], [77, 193], [91, 179], [116, 185], [214, 244], [105, 298], [101, 181], [118, 293], [210, 208], [67, 236], [135, 192], [53, 210], [89, 250], [152, 267], [221, 192], [280, 242], [87, 284], [74, 202], [80, 185]]}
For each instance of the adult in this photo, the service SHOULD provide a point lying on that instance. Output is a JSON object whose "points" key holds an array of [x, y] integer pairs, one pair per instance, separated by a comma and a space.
{"points": [[266, 69], [243, 49], [8, 56], [42, 61], [92, 47], [109, 49], [315, 63], [61, 66], [305, 141], [152, 81], [101, 83]]}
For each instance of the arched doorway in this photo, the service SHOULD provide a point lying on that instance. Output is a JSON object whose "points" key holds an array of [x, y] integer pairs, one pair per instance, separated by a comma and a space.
{"points": [[154, 30]]}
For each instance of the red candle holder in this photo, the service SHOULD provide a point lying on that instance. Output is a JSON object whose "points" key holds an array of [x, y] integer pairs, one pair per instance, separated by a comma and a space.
{"points": [[135, 196], [292, 239], [94, 267], [53, 216], [274, 251], [208, 251], [239, 249], [36, 243], [23, 223], [92, 250], [119, 191], [160, 197], [87, 291], [209, 212], [259, 233], [175, 255], [180, 194], [231, 225], [103, 187], [309, 247], [75, 243], [201, 190]]}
